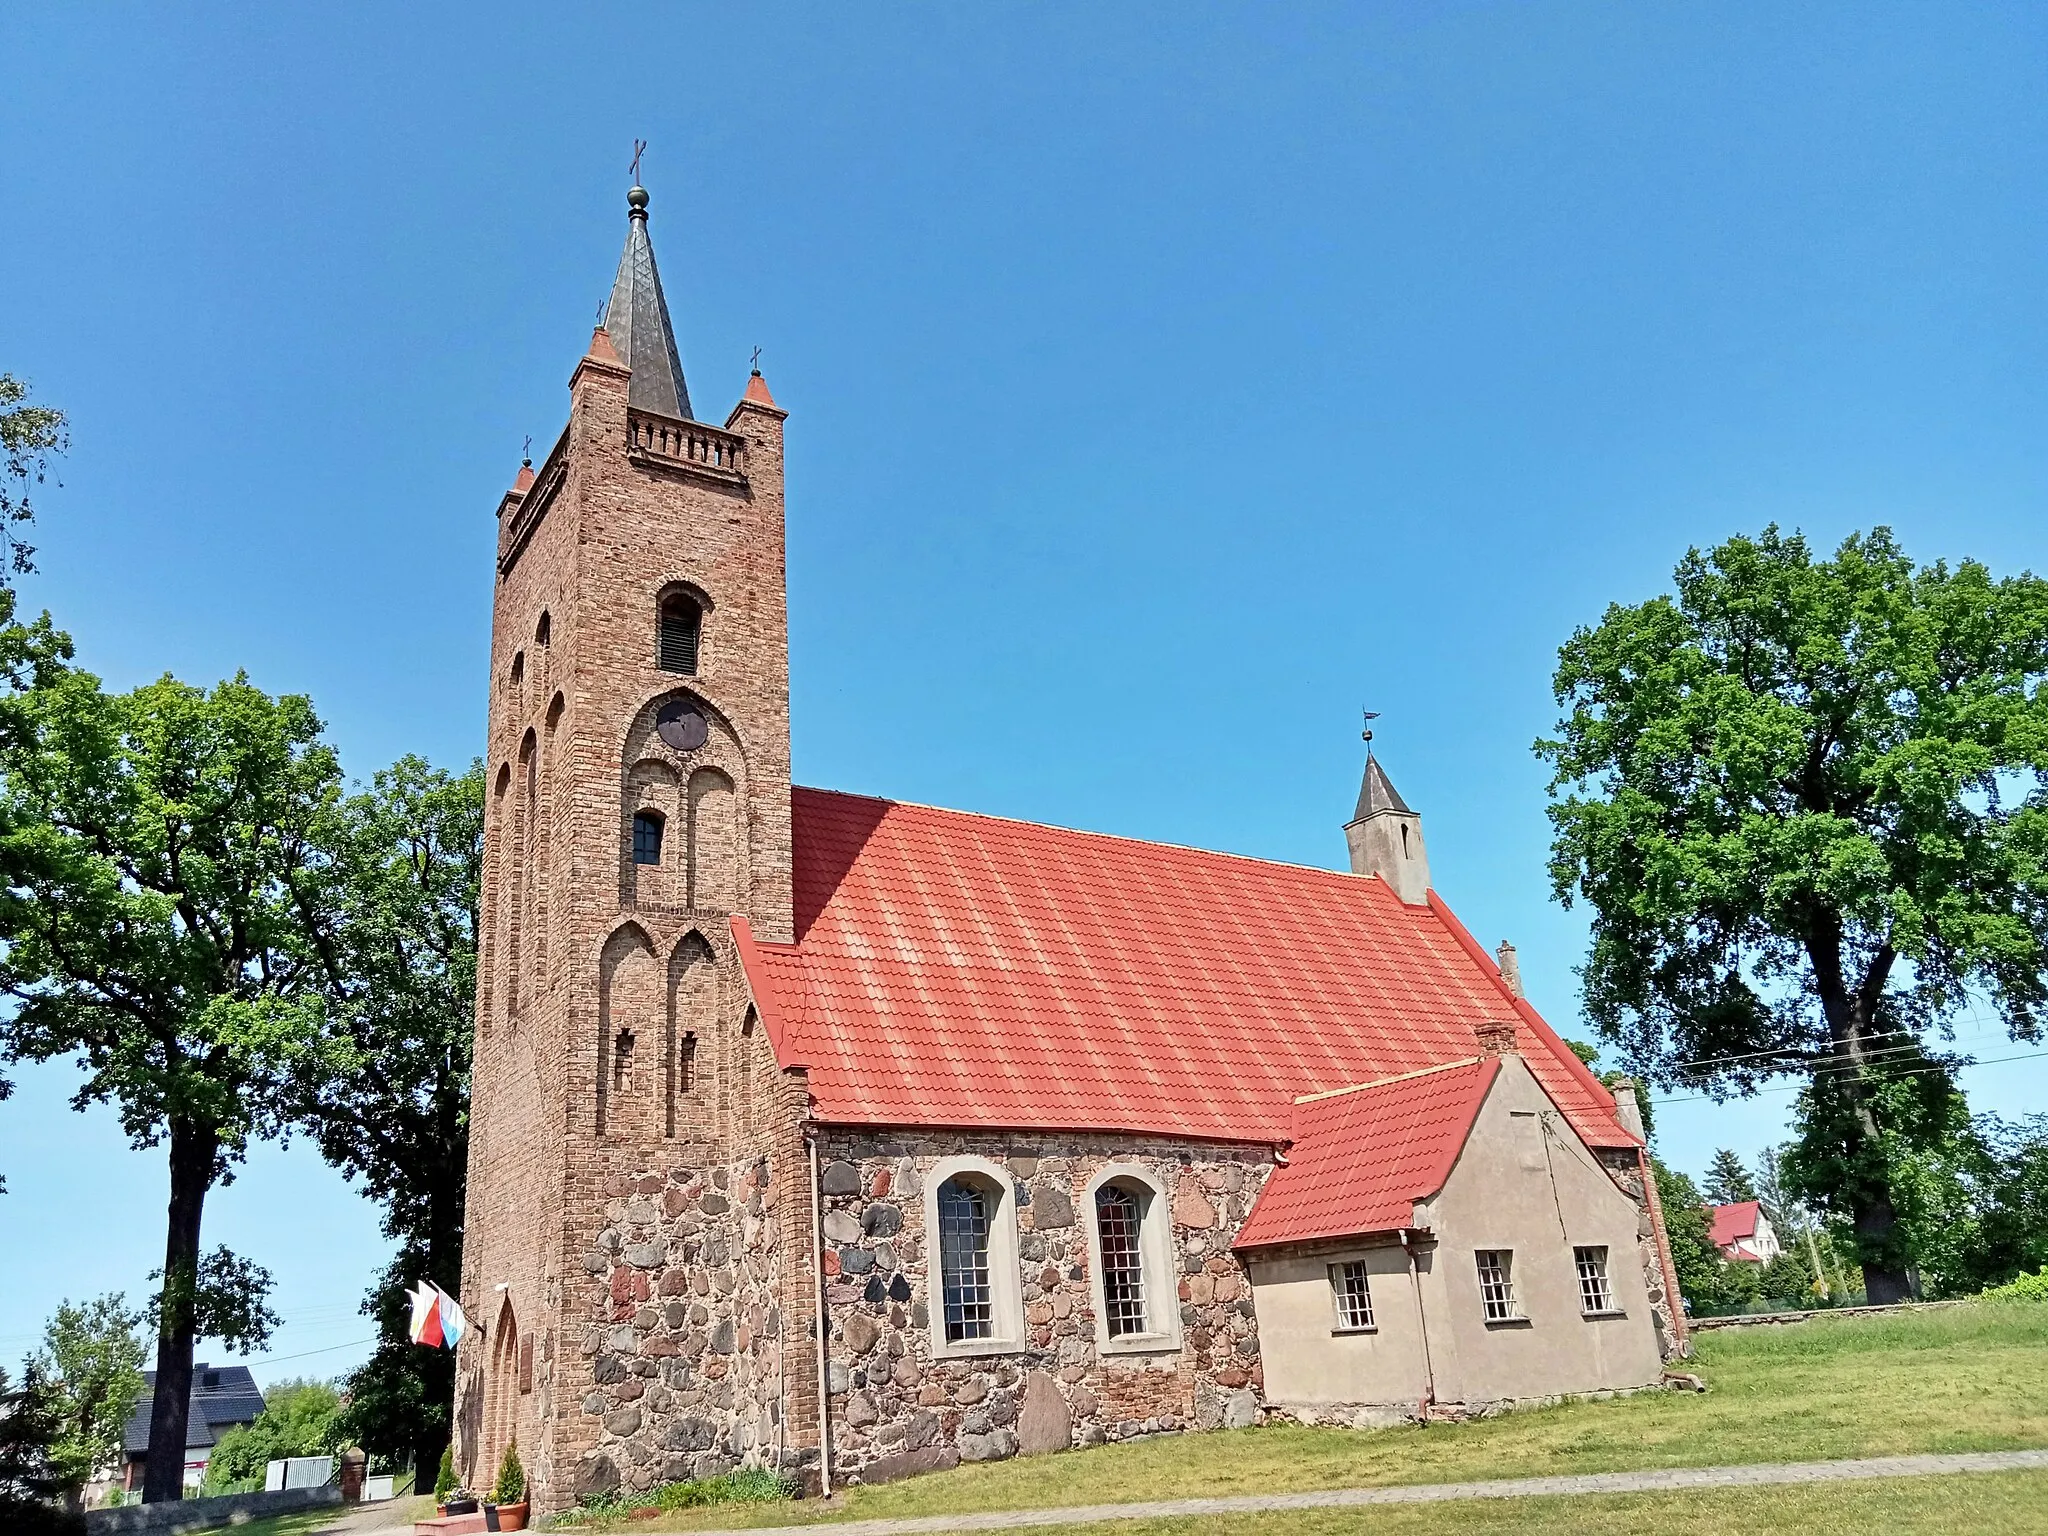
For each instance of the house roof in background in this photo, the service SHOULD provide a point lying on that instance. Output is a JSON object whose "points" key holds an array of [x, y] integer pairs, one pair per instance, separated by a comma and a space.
{"points": [[222, 1397], [1363, 1156], [962, 970], [1732, 1223]]}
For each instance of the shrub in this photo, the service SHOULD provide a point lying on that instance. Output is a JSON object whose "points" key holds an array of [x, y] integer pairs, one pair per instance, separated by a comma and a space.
{"points": [[510, 1487], [2026, 1288], [444, 1480]]}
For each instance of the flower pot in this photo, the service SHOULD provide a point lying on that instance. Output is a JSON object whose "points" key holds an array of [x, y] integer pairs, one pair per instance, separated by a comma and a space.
{"points": [[505, 1517], [459, 1507]]}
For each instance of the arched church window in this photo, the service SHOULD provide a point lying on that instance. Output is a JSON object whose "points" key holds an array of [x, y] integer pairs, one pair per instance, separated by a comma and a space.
{"points": [[647, 837], [679, 626], [544, 631], [963, 1261], [1123, 1260], [518, 670]]}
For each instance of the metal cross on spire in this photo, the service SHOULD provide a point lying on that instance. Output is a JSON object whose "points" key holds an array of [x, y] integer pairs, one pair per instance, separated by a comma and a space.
{"points": [[526, 451], [756, 363], [639, 149]]}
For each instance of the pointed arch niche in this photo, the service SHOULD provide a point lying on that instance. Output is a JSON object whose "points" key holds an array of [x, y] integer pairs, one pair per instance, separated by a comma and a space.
{"points": [[692, 784], [692, 1056], [630, 1020]]}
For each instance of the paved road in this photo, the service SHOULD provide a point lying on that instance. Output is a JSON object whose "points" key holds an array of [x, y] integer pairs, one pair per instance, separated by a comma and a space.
{"points": [[1432, 1493]]}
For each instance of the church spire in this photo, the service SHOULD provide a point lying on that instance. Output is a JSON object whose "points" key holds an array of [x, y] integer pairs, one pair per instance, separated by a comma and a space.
{"points": [[1385, 836], [636, 319]]}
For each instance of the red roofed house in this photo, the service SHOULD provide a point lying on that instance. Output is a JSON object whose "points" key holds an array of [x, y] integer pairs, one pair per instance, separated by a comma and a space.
{"points": [[1064, 1137], [1743, 1232]]}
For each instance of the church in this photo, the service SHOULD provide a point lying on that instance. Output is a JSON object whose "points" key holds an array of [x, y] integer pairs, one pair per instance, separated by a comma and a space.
{"points": [[858, 1138]]}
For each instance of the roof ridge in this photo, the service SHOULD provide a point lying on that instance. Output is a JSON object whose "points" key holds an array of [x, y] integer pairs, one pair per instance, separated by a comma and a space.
{"points": [[1343, 875], [1381, 1082]]}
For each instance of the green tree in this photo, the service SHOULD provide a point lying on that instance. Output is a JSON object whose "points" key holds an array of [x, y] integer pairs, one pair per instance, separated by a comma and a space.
{"points": [[299, 1418], [92, 1359], [1728, 1181], [156, 891], [31, 1486], [29, 435], [387, 1093], [1698, 1263], [1807, 803]]}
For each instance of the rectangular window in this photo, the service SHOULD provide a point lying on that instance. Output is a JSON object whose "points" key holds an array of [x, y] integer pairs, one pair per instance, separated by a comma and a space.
{"points": [[646, 838], [1353, 1292], [963, 1262], [1595, 1295], [1497, 1284], [1123, 1263]]}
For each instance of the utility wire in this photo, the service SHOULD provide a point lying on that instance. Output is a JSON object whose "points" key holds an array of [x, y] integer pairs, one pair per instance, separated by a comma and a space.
{"points": [[1691, 1098]]}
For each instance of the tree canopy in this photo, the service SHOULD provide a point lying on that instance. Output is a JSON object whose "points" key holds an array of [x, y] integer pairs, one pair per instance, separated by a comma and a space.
{"points": [[386, 1094], [156, 892], [299, 1418], [1807, 803], [92, 1360], [1728, 1181]]}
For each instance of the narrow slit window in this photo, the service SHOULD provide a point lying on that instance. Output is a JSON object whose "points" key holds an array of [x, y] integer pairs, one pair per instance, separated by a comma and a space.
{"points": [[622, 1062], [1497, 1284], [1595, 1294], [963, 1262], [647, 837], [1352, 1290], [1118, 1224], [686, 1063], [681, 624]]}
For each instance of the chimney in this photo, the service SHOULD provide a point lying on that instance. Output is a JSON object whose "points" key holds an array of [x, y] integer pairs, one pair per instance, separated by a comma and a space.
{"points": [[1628, 1107], [1496, 1037], [1510, 968]]}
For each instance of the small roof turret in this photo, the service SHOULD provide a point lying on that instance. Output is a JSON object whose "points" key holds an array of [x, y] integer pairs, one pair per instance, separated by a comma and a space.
{"points": [[637, 321]]}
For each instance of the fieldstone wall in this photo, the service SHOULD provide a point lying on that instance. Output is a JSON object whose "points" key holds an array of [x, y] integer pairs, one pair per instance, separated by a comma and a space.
{"points": [[898, 1410], [684, 1338]]}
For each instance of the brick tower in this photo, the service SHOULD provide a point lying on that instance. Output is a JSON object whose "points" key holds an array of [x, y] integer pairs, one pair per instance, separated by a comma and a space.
{"points": [[632, 1164]]}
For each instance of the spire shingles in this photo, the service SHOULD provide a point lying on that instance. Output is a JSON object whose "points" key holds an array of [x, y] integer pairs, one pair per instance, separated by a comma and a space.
{"points": [[637, 321]]}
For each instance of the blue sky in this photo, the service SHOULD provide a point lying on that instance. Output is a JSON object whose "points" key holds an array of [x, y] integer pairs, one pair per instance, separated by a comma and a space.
{"points": [[1166, 384]]}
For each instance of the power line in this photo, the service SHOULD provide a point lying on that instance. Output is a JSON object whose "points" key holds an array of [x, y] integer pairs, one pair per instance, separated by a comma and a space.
{"points": [[1692, 1098]]}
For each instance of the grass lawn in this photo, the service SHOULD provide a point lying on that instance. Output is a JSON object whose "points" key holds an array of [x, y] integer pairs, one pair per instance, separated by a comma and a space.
{"points": [[1955, 1379], [1993, 1504]]}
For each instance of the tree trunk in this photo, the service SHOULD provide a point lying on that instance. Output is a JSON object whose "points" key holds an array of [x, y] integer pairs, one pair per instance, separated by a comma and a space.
{"points": [[1849, 1012], [193, 1150]]}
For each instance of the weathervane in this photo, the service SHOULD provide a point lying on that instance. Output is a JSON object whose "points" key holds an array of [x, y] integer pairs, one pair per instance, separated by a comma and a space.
{"points": [[639, 149], [1370, 716]]}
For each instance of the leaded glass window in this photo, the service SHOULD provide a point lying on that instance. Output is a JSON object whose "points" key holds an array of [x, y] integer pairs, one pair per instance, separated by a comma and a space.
{"points": [[963, 1261], [1118, 1223]]}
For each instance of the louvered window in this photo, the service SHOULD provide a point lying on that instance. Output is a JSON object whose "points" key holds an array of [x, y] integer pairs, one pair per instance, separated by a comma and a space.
{"points": [[963, 1262], [1123, 1263], [647, 837], [676, 640], [1353, 1292]]}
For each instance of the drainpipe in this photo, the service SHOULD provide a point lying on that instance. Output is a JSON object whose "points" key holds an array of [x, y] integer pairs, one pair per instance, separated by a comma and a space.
{"points": [[1421, 1326], [818, 1304]]}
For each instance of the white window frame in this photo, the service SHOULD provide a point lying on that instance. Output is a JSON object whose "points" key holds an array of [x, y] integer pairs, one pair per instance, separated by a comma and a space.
{"points": [[1339, 1274], [1604, 1276], [1162, 1333], [1005, 1274], [1512, 1302]]}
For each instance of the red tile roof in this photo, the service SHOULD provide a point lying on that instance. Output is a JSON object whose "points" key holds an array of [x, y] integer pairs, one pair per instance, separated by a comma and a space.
{"points": [[962, 970], [1363, 1156], [1734, 1222]]}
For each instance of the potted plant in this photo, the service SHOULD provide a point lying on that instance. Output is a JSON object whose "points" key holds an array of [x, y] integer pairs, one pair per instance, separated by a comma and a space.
{"points": [[506, 1508], [444, 1481]]}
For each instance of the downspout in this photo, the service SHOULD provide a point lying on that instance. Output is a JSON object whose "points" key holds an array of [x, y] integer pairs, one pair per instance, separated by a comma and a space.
{"points": [[818, 1305], [1421, 1327]]}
